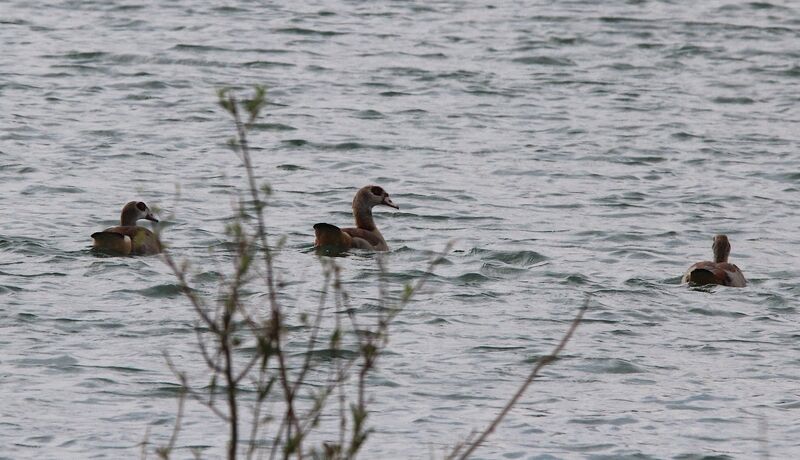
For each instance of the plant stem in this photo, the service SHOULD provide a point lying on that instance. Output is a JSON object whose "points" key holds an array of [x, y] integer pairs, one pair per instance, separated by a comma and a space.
{"points": [[513, 401]]}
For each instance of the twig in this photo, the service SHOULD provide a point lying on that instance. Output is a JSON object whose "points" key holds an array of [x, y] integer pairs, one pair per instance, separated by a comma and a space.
{"points": [[185, 384], [277, 317], [313, 339], [180, 273], [263, 388], [276, 440], [164, 452], [514, 399], [144, 443]]}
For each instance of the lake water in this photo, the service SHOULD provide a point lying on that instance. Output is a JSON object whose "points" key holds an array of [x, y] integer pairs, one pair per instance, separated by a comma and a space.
{"points": [[568, 148]]}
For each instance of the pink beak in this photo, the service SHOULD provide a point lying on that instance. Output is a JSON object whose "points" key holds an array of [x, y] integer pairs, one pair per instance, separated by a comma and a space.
{"points": [[388, 202]]}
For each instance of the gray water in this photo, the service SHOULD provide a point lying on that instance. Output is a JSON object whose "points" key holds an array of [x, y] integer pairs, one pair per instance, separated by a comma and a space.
{"points": [[568, 148]]}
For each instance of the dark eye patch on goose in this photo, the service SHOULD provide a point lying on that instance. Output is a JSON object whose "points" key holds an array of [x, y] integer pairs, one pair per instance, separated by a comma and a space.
{"points": [[141, 206], [377, 191]]}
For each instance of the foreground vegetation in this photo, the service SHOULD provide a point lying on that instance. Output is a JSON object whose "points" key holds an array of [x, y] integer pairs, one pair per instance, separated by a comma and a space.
{"points": [[273, 401]]}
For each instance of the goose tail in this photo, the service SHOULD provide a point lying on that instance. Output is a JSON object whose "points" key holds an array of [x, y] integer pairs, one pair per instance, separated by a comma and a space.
{"points": [[700, 277], [331, 238], [112, 242]]}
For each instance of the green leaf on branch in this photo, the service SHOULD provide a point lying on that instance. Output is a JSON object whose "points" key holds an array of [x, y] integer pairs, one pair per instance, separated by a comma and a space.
{"points": [[408, 291], [254, 106]]}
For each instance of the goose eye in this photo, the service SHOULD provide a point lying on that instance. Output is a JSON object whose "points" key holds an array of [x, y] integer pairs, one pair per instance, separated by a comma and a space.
{"points": [[141, 206], [377, 191]]}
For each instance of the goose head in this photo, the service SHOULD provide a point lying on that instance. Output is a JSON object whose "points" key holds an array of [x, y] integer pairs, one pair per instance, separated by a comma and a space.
{"points": [[371, 196], [721, 248], [135, 211]]}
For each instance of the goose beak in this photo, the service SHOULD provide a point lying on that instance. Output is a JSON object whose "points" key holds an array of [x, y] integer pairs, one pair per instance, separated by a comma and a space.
{"points": [[388, 202], [151, 217]]}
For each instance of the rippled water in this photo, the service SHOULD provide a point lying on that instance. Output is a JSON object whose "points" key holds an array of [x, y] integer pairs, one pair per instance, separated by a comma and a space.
{"points": [[568, 148]]}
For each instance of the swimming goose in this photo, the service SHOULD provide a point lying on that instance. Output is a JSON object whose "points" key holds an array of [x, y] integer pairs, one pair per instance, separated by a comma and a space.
{"points": [[128, 238], [717, 272], [366, 234]]}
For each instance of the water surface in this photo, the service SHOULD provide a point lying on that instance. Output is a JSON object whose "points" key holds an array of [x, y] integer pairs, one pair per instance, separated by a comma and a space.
{"points": [[568, 148]]}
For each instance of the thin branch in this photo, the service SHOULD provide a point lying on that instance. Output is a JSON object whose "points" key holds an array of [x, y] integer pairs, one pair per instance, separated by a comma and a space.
{"points": [[263, 388], [233, 410], [191, 392], [244, 372], [313, 339], [514, 399], [145, 442], [164, 452], [278, 436], [277, 318], [341, 300], [211, 363], [183, 284]]}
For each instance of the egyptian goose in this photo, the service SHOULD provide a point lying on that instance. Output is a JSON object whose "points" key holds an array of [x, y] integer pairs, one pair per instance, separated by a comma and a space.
{"points": [[128, 238], [365, 235], [717, 272]]}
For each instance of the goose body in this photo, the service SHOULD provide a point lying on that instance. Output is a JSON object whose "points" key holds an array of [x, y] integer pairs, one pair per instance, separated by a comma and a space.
{"points": [[365, 235], [720, 271], [128, 238]]}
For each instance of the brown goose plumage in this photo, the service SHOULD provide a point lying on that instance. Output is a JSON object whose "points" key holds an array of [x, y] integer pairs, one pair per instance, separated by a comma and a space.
{"points": [[717, 272], [128, 238], [365, 235]]}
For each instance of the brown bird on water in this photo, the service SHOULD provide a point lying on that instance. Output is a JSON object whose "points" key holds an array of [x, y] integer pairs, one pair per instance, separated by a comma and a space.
{"points": [[365, 235], [128, 238], [717, 272]]}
